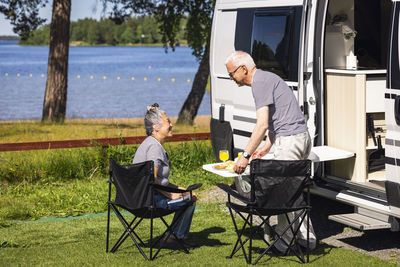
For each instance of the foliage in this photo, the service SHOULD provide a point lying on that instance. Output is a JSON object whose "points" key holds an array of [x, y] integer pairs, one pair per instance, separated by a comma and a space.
{"points": [[23, 15], [198, 32], [169, 14], [134, 30], [40, 36], [72, 181]]}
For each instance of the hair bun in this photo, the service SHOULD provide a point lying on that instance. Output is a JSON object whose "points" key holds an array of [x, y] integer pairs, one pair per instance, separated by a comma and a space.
{"points": [[155, 106]]}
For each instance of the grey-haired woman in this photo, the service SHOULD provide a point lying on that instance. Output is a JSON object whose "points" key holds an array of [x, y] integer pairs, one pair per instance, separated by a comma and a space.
{"points": [[158, 128]]}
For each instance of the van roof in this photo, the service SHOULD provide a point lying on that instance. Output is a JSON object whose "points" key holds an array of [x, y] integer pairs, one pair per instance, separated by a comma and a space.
{"points": [[233, 4]]}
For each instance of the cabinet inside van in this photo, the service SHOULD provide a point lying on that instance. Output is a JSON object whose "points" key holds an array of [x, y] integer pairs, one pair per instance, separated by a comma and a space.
{"points": [[356, 34]]}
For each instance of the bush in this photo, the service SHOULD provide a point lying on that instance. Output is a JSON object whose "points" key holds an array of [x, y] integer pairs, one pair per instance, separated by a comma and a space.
{"points": [[81, 163], [65, 182]]}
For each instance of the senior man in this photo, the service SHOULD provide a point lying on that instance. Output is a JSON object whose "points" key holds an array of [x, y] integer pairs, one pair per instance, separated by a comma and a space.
{"points": [[278, 112]]}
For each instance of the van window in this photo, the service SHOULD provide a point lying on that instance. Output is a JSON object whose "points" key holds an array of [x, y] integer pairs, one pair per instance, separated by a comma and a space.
{"points": [[275, 40]]}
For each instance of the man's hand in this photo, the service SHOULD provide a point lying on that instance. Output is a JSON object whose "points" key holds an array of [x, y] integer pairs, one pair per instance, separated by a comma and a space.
{"points": [[241, 165], [260, 152]]}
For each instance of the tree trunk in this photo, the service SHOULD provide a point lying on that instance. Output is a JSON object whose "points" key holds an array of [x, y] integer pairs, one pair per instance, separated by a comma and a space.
{"points": [[192, 103], [55, 100]]}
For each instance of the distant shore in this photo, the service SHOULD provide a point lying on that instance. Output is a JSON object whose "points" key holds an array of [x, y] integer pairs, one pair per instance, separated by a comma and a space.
{"points": [[85, 44], [199, 120]]}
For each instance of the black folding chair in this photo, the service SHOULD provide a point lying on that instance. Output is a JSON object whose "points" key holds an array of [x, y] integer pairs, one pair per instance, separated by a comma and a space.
{"points": [[277, 187], [135, 190]]}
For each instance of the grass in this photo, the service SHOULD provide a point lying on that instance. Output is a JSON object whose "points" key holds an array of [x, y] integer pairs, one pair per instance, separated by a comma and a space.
{"points": [[81, 241], [23, 131], [73, 181], [40, 189]]}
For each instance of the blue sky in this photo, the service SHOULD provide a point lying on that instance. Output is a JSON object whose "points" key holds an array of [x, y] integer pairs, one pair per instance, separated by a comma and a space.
{"points": [[79, 9]]}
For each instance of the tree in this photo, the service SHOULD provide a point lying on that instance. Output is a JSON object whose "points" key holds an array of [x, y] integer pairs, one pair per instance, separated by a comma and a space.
{"points": [[198, 28], [128, 35], [24, 16], [93, 36]]}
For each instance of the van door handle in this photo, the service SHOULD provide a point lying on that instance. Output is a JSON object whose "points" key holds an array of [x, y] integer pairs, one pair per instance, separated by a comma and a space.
{"points": [[397, 109]]}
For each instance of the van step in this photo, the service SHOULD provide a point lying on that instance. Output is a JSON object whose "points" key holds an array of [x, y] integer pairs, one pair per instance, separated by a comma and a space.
{"points": [[359, 221]]}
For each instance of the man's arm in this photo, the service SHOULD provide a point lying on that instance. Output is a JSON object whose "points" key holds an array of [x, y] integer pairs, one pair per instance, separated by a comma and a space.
{"points": [[262, 151], [255, 139]]}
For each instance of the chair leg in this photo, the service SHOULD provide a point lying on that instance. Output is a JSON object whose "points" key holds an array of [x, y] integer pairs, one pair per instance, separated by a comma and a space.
{"points": [[169, 228], [108, 227], [151, 238], [251, 237], [308, 234], [125, 235], [289, 245], [128, 230], [239, 234]]}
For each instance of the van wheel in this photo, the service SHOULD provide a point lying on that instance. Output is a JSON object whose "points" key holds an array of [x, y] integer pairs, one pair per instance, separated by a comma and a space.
{"points": [[243, 186]]}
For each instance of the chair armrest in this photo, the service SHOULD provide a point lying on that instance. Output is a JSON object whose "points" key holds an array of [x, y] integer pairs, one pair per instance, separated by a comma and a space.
{"points": [[233, 193], [176, 190], [193, 187], [168, 189]]}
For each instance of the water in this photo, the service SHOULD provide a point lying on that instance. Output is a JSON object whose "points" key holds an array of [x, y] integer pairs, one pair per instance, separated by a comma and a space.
{"points": [[96, 97]]}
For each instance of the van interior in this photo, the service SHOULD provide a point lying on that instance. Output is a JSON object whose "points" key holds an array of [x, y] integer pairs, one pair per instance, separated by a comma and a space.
{"points": [[356, 35]]}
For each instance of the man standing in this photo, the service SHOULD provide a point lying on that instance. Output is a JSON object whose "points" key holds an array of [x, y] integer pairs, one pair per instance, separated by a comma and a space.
{"points": [[278, 112]]}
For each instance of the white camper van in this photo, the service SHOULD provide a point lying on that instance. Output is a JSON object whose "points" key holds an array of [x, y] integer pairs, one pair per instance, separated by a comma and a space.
{"points": [[341, 59]]}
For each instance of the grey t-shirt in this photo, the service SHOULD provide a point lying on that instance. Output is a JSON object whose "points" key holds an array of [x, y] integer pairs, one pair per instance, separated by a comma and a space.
{"points": [[151, 149], [285, 116]]}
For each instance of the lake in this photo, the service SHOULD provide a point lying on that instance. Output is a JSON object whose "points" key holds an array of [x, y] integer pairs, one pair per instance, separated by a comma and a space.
{"points": [[103, 82]]}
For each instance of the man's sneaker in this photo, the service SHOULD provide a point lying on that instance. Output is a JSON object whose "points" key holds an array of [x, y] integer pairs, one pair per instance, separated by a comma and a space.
{"points": [[277, 252]]}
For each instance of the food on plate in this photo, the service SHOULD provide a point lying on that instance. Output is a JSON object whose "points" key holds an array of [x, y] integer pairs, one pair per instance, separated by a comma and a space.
{"points": [[226, 165]]}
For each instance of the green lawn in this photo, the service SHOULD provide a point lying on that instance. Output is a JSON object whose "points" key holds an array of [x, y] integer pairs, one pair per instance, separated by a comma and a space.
{"points": [[81, 241], [65, 182], [26, 131]]}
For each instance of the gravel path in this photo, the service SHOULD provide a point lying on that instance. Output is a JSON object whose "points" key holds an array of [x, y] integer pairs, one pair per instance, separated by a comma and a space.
{"points": [[379, 243]]}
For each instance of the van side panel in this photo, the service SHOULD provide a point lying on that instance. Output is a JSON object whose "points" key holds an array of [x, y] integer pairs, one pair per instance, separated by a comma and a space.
{"points": [[392, 97], [222, 37]]}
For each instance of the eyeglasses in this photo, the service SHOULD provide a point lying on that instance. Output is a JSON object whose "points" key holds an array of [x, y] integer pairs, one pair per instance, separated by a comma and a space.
{"points": [[233, 72]]}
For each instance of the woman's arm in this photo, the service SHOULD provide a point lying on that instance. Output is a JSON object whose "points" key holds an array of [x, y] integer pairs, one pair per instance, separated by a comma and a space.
{"points": [[171, 195]]}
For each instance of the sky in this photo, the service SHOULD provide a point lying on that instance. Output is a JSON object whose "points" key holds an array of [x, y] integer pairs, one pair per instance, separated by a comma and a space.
{"points": [[79, 9]]}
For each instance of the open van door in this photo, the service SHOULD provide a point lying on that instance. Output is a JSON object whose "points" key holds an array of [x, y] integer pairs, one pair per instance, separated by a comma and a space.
{"points": [[392, 115], [273, 32]]}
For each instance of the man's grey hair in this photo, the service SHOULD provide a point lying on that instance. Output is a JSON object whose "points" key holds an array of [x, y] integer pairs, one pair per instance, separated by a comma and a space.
{"points": [[153, 116], [239, 58]]}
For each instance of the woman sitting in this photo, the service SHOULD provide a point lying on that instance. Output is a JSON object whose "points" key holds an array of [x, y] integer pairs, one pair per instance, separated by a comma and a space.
{"points": [[158, 129]]}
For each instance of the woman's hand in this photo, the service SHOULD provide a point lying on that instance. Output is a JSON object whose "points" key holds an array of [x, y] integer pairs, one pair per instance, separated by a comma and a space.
{"points": [[179, 195]]}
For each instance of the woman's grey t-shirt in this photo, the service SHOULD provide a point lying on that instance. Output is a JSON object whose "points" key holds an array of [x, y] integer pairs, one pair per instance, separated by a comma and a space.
{"points": [[151, 149], [285, 116]]}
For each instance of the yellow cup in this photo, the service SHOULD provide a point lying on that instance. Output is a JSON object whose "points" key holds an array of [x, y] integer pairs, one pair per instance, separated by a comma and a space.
{"points": [[224, 155]]}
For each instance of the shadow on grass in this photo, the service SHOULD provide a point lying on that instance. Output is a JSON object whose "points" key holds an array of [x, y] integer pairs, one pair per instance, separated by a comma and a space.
{"points": [[202, 238], [317, 254], [374, 240], [258, 232]]}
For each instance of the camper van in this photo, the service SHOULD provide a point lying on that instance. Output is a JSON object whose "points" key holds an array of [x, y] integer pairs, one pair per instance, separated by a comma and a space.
{"points": [[341, 60]]}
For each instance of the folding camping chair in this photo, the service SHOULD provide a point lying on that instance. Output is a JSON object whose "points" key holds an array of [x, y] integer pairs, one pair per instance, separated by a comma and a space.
{"points": [[135, 190], [276, 188]]}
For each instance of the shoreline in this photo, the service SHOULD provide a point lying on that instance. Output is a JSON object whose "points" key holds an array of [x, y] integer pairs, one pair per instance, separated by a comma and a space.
{"points": [[201, 119]]}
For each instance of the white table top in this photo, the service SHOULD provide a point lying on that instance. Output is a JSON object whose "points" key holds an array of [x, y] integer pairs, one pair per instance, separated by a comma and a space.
{"points": [[223, 172], [318, 154]]}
